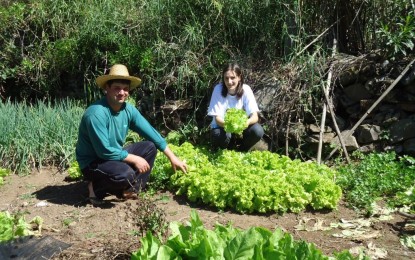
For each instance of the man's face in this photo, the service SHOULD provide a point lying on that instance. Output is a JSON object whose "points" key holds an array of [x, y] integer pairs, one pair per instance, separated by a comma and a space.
{"points": [[117, 94]]}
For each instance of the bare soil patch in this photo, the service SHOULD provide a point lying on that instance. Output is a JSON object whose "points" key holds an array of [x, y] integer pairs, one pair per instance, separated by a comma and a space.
{"points": [[111, 232]]}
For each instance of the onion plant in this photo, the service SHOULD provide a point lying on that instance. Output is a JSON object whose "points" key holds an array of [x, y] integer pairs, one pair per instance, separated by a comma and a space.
{"points": [[38, 134]]}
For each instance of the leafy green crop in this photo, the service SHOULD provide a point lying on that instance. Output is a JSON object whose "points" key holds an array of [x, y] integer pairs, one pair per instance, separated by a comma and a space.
{"points": [[15, 225], [38, 134], [74, 171], [375, 176], [3, 173], [226, 242], [251, 182], [235, 121]]}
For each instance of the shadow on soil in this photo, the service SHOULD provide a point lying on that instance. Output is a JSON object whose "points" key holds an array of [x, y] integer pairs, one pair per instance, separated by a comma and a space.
{"points": [[182, 200], [73, 194]]}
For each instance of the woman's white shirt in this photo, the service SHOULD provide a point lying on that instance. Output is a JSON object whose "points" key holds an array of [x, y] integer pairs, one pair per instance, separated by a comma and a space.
{"points": [[219, 104]]}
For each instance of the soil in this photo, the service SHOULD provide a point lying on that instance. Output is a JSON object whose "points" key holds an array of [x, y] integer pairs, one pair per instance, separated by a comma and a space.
{"points": [[113, 230]]}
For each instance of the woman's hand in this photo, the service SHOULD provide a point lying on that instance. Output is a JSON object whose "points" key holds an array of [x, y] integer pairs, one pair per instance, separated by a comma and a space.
{"points": [[253, 119]]}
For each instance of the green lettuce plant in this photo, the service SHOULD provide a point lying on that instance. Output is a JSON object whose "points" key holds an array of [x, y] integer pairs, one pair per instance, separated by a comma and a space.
{"points": [[15, 225], [235, 121], [3, 173], [74, 171], [194, 241], [250, 182]]}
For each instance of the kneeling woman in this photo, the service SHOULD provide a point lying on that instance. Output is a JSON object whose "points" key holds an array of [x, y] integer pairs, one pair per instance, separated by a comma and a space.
{"points": [[233, 93]]}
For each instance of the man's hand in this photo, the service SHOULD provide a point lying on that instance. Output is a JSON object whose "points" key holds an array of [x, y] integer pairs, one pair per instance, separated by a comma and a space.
{"points": [[176, 163], [138, 163]]}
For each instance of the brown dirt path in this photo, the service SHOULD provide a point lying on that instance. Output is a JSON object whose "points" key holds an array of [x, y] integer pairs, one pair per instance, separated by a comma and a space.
{"points": [[108, 232]]}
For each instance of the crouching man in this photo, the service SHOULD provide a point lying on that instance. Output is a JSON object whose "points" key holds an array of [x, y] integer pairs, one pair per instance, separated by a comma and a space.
{"points": [[108, 166]]}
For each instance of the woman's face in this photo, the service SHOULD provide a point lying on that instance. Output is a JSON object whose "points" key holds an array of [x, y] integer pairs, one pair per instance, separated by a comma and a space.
{"points": [[231, 81]]}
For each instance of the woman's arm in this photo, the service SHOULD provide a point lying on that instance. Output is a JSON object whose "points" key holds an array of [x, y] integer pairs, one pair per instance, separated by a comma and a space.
{"points": [[220, 121], [253, 119]]}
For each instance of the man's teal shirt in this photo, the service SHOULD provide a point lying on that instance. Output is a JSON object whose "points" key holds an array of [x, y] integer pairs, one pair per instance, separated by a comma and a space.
{"points": [[102, 132]]}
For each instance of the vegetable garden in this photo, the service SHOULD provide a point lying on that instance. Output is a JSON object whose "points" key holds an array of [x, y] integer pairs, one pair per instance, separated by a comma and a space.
{"points": [[252, 183], [230, 205]]}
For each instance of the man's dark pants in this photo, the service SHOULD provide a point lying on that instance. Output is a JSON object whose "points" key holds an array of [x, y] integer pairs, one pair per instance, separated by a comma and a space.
{"points": [[115, 177]]}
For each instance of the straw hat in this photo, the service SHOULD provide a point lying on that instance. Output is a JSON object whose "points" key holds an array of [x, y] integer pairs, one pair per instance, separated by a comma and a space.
{"points": [[118, 71]]}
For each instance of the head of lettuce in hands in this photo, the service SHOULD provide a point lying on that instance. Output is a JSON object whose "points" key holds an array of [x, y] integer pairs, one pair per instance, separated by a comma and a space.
{"points": [[235, 121]]}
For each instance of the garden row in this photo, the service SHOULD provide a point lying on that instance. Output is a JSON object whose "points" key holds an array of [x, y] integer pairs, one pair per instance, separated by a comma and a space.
{"points": [[45, 134]]}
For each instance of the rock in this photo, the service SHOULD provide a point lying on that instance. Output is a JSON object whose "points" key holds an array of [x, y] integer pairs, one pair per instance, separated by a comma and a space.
{"points": [[410, 88], [313, 128], [402, 130], [265, 97], [348, 77], [341, 123], [354, 111], [357, 92], [350, 141], [367, 148], [387, 117], [346, 101], [408, 78], [386, 66], [407, 106], [368, 133], [261, 145], [327, 138], [409, 147], [297, 130], [378, 85]]}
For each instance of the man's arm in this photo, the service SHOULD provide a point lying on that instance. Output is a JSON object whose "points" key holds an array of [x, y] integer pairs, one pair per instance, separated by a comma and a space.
{"points": [[175, 162], [138, 163]]}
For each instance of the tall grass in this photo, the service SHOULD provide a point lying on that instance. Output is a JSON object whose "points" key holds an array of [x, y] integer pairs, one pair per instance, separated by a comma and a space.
{"points": [[39, 134], [51, 48], [176, 46]]}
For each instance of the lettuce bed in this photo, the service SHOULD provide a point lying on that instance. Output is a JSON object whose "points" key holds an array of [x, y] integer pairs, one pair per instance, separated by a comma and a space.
{"points": [[251, 182]]}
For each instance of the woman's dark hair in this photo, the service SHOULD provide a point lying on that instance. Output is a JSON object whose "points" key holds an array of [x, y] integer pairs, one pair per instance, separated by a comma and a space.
{"points": [[238, 71]]}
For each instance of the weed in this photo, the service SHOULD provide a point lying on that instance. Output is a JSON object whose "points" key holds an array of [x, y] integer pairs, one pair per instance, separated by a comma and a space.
{"points": [[27, 196], [375, 176], [67, 222], [150, 218]]}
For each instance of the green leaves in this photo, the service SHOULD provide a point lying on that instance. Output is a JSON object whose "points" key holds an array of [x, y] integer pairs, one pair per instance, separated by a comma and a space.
{"points": [[15, 225], [34, 135], [398, 37], [235, 121], [3, 173], [375, 176], [250, 182], [225, 242], [74, 171]]}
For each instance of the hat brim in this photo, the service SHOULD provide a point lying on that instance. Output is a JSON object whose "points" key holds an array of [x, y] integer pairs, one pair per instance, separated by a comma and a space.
{"points": [[134, 81]]}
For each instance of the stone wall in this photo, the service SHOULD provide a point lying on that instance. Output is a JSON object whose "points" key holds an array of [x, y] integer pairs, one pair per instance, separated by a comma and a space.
{"points": [[358, 82]]}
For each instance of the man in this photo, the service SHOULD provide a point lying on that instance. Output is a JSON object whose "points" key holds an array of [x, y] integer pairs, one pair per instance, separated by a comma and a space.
{"points": [[110, 167]]}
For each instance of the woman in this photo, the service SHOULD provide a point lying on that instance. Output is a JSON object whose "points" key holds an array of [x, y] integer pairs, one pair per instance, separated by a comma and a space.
{"points": [[233, 93]]}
